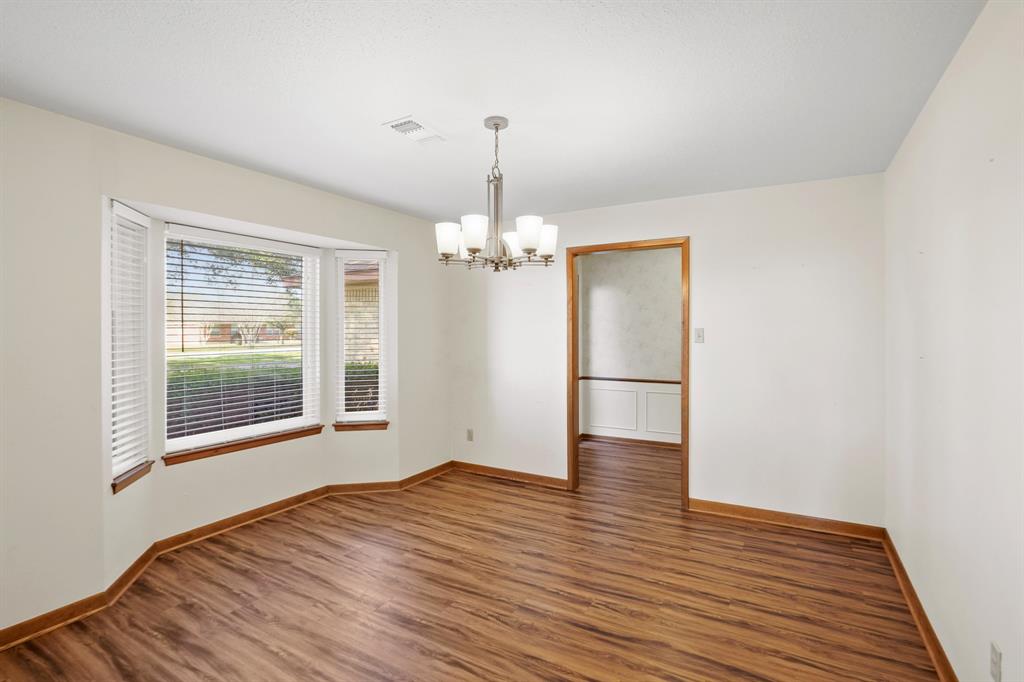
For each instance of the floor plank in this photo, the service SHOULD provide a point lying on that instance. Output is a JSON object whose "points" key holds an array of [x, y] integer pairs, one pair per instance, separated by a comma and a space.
{"points": [[466, 577]]}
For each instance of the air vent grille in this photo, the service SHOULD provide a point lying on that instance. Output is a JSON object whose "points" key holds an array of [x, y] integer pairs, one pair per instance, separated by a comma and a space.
{"points": [[406, 127], [412, 129]]}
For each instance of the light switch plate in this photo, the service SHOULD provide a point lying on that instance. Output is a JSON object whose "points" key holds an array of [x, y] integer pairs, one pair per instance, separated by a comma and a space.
{"points": [[469, 435], [698, 335]]}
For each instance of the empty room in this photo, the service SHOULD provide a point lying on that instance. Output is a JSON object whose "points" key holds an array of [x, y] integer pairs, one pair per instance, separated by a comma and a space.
{"points": [[726, 383]]}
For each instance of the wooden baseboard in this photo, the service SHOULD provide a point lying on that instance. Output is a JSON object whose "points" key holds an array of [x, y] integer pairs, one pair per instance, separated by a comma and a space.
{"points": [[618, 440], [371, 487], [51, 620], [130, 575], [924, 626], [231, 522], [415, 479], [511, 475], [847, 528], [389, 486]]}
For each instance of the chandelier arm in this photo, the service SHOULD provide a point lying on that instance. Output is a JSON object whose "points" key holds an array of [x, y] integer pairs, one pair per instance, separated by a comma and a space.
{"points": [[498, 264]]}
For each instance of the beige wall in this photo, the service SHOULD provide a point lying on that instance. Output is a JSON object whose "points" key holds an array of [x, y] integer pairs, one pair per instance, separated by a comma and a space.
{"points": [[786, 392], [63, 535], [954, 216]]}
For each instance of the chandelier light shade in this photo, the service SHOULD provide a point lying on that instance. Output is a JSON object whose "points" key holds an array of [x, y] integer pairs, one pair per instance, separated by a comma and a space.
{"points": [[548, 241], [528, 229], [477, 241], [474, 231], [448, 238]]}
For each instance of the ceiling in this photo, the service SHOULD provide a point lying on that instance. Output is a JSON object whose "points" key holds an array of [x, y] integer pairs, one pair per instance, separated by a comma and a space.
{"points": [[610, 102]]}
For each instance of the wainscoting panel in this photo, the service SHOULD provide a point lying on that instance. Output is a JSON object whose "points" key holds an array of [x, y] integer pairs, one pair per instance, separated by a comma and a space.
{"points": [[612, 408], [663, 411], [630, 409]]}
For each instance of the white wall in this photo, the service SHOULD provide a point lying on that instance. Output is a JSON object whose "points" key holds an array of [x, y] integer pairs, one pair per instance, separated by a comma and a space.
{"points": [[954, 214], [786, 392], [64, 535], [630, 313]]}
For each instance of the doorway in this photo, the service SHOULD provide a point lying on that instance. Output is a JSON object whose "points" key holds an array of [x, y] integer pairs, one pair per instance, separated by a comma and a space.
{"points": [[574, 376]]}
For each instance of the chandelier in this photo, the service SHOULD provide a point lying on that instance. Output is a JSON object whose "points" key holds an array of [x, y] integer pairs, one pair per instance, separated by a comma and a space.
{"points": [[479, 241]]}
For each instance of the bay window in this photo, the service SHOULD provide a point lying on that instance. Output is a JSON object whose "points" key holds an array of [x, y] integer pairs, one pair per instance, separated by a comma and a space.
{"points": [[228, 327], [242, 337]]}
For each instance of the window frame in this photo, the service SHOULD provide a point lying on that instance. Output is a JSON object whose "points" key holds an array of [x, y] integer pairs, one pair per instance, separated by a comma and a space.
{"points": [[312, 371], [379, 418]]}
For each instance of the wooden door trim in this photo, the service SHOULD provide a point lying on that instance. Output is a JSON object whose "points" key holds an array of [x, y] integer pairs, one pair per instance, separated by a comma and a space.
{"points": [[573, 369]]}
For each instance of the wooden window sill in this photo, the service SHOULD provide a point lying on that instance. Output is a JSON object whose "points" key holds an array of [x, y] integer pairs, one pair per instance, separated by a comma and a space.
{"points": [[127, 478], [236, 445], [361, 426]]}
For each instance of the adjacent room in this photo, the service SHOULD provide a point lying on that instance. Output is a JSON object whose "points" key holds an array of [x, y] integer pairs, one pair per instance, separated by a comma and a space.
{"points": [[727, 383]]}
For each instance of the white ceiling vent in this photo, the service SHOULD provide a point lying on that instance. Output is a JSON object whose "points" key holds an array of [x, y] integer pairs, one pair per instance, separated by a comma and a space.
{"points": [[412, 129]]}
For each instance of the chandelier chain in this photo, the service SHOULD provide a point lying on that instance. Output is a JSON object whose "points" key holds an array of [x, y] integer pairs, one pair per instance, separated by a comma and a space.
{"points": [[495, 171]]}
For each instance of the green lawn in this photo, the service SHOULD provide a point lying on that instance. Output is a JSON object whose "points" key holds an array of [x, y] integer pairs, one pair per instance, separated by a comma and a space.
{"points": [[184, 362]]}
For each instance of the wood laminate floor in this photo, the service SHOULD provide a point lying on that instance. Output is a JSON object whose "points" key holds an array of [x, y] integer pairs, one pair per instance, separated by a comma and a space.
{"points": [[470, 578]]}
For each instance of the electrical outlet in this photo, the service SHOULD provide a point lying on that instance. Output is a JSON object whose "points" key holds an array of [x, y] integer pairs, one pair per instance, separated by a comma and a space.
{"points": [[469, 435], [995, 663], [698, 335]]}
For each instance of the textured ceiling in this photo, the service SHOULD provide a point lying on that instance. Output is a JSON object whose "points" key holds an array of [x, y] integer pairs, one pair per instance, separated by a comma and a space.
{"points": [[610, 102]]}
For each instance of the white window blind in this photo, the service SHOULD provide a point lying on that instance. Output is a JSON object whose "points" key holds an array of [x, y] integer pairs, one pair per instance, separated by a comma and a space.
{"points": [[242, 337], [362, 329], [129, 350]]}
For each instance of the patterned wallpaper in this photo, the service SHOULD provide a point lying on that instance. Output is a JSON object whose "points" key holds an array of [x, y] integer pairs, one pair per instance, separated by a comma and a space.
{"points": [[630, 314]]}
